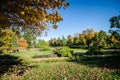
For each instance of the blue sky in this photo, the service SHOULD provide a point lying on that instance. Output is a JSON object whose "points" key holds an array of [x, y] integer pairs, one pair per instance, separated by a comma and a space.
{"points": [[83, 14]]}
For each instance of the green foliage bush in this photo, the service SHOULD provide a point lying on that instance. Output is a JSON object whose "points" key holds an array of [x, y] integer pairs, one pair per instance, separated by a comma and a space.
{"points": [[64, 52], [5, 51], [93, 50]]}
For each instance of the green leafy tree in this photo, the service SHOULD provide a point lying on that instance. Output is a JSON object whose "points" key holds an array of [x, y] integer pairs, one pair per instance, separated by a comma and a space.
{"points": [[58, 42], [43, 45], [35, 15], [30, 38], [63, 41], [15, 41], [100, 39], [53, 42], [115, 26]]}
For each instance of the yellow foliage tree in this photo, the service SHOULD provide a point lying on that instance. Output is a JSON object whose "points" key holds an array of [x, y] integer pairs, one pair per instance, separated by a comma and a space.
{"points": [[82, 40], [70, 40], [88, 34], [6, 38]]}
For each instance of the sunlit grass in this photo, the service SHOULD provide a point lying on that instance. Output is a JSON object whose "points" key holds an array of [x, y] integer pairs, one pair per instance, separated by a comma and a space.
{"points": [[80, 50], [29, 54]]}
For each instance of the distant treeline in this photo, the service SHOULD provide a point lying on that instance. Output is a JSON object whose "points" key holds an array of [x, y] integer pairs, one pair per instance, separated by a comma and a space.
{"points": [[88, 38]]}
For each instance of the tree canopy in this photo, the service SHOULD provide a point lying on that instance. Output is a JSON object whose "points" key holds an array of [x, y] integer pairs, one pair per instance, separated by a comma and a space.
{"points": [[6, 37], [36, 15], [115, 22], [115, 26]]}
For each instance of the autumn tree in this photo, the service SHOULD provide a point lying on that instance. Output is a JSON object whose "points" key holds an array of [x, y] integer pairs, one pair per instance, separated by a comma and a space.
{"points": [[22, 43], [82, 40], [88, 34], [112, 42], [76, 41], [53, 42], [70, 40], [35, 15], [6, 38]]}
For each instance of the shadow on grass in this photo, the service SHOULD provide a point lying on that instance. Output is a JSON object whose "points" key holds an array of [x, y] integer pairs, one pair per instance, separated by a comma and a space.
{"points": [[10, 64], [110, 61]]}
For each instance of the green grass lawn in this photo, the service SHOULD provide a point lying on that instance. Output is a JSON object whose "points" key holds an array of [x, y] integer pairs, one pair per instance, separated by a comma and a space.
{"points": [[79, 50], [29, 54], [27, 68]]}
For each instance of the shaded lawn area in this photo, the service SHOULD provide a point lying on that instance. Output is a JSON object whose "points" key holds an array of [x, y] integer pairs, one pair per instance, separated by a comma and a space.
{"points": [[109, 60], [12, 65], [87, 68], [60, 69]]}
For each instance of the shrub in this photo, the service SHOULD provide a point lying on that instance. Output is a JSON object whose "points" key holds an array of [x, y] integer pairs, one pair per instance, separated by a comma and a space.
{"points": [[4, 51], [93, 50], [64, 52]]}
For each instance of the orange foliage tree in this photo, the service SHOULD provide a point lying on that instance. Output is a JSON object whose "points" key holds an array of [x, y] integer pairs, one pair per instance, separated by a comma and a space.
{"points": [[22, 43]]}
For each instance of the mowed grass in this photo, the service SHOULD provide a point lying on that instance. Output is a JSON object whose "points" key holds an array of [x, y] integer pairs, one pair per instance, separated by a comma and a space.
{"points": [[79, 50], [91, 68], [30, 54], [60, 69]]}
